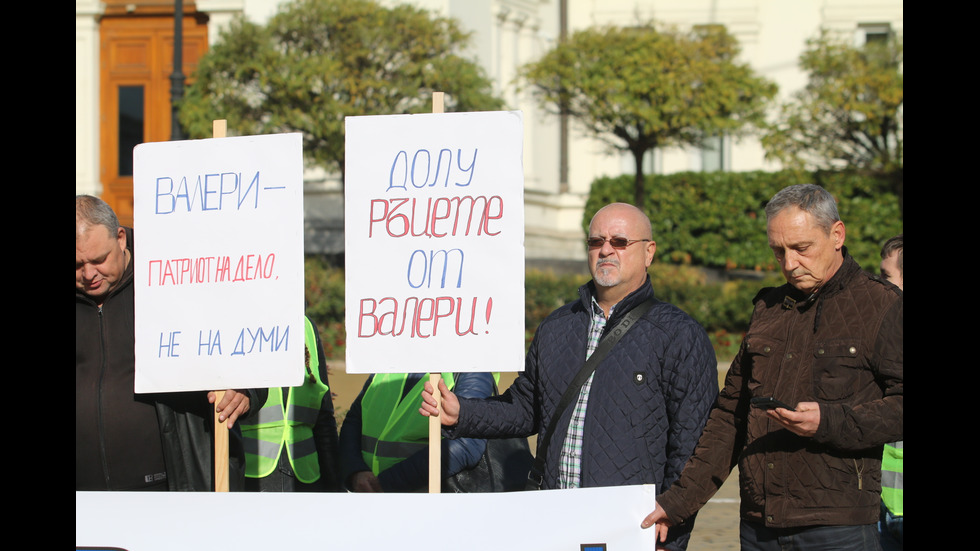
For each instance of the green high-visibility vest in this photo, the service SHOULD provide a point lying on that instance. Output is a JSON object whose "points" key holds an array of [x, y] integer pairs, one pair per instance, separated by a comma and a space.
{"points": [[391, 427], [892, 485], [276, 425]]}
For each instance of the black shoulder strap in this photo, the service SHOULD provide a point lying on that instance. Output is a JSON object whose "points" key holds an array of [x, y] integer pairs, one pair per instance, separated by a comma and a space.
{"points": [[536, 476]]}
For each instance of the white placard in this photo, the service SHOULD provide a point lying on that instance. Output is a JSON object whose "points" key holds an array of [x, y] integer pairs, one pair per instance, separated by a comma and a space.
{"points": [[434, 235], [219, 263], [600, 519]]}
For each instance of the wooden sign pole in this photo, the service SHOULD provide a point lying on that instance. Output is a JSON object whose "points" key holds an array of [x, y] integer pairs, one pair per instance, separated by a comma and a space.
{"points": [[435, 427], [219, 129]]}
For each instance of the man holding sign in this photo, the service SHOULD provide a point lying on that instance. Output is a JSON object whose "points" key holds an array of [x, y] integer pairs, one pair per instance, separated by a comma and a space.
{"points": [[126, 441], [637, 418]]}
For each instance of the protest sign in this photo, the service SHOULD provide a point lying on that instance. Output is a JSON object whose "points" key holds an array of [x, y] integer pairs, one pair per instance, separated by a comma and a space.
{"points": [[434, 239], [559, 520], [218, 263]]}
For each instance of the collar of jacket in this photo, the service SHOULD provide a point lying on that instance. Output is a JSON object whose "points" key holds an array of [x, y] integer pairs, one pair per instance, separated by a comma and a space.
{"points": [[645, 291], [834, 285], [837, 283]]}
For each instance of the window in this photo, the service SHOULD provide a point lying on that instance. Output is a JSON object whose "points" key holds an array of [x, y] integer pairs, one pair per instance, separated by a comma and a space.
{"points": [[714, 154], [130, 126], [870, 33]]}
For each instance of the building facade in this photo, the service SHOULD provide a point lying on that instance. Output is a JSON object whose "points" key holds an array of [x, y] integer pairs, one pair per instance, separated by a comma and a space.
{"points": [[123, 85]]}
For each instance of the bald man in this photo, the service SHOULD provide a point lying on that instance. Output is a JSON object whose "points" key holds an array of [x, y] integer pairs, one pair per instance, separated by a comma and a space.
{"points": [[637, 418]]}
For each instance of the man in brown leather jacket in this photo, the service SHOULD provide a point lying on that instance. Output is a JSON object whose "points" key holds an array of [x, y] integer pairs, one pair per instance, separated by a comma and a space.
{"points": [[829, 345]]}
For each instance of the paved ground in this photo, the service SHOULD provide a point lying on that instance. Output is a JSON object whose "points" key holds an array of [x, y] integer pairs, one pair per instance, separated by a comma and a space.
{"points": [[716, 528]]}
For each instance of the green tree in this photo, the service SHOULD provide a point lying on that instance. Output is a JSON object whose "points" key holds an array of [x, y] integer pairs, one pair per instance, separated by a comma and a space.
{"points": [[850, 112], [319, 61], [639, 88]]}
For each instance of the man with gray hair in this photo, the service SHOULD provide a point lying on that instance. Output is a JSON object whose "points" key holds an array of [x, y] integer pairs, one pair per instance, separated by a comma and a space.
{"points": [[123, 440], [814, 392]]}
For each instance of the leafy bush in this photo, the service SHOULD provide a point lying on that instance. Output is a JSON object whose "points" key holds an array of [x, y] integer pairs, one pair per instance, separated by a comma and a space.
{"points": [[722, 308], [716, 306], [325, 304], [714, 219], [717, 219], [545, 291]]}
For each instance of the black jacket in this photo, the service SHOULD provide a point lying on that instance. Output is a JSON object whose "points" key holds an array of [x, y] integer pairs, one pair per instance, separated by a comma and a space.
{"points": [[117, 444], [649, 399]]}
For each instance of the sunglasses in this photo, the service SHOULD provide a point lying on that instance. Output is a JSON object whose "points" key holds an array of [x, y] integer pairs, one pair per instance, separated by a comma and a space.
{"points": [[616, 242]]}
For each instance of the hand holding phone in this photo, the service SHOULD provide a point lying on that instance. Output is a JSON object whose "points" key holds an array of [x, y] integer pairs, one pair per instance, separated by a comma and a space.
{"points": [[768, 402]]}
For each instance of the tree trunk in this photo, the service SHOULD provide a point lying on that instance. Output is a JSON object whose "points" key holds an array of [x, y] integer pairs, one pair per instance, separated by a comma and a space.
{"points": [[639, 187]]}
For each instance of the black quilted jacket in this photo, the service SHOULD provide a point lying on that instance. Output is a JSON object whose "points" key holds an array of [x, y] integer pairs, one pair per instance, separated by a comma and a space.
{"points": [[650, 397]]}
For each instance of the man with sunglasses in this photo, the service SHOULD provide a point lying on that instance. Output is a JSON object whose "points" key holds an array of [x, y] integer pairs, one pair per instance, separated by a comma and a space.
{"points": [[637, 418]]}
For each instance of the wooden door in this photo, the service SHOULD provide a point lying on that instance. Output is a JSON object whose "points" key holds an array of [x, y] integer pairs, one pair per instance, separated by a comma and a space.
{"points": [[135, 87]]}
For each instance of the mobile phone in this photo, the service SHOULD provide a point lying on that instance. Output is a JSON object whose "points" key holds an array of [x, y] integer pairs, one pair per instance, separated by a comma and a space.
{"points": [[768, 402]]}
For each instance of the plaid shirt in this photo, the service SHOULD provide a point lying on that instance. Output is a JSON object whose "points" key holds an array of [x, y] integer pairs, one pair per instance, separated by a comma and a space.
{"points": [[570, 461]]}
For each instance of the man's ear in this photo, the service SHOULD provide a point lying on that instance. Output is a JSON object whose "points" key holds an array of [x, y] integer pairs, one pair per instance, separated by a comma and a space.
{"points": [[121, 238], [651, 250], [838, 233]]}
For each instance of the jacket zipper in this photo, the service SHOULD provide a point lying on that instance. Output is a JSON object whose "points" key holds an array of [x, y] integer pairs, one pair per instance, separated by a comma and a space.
{"points": [[859, 472], [99, 388]]}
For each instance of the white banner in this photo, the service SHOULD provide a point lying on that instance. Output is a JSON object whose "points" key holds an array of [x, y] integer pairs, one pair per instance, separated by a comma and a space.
{"points": [[434, 232], [586, 519], [218, 235]]}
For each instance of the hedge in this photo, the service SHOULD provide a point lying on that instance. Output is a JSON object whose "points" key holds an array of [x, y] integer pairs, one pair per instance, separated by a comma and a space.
{"points": [[722, 308], [717, 219], [712, 219]]}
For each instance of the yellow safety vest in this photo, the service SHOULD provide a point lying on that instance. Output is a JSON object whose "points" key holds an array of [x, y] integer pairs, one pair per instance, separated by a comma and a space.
{"points": [[276, 425], [892, 485], [391, 427]]}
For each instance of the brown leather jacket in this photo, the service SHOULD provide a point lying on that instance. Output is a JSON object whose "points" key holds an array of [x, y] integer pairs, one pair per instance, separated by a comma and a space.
{"points": [[841, 348]]}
